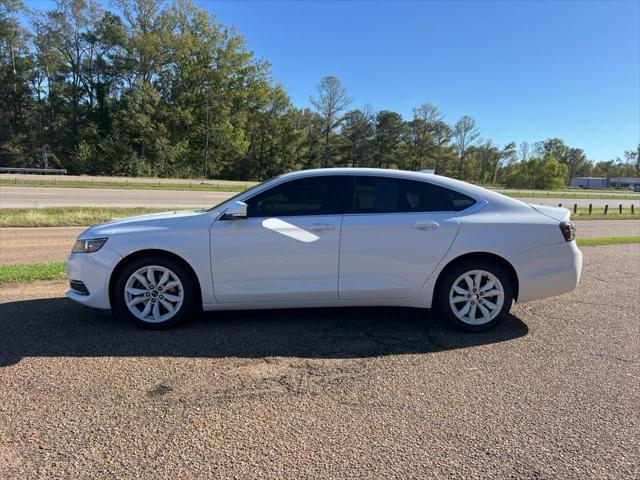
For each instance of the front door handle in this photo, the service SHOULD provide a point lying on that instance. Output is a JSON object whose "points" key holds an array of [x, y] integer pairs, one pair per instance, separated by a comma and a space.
{"points": [[321, 227], [425, 225]]}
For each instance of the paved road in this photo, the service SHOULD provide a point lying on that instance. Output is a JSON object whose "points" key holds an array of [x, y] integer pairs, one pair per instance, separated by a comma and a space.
{"points": [[87, 178], [38, 197], [97, 179], [35, 197], [339, 393], [607, 228], [52, 244]]}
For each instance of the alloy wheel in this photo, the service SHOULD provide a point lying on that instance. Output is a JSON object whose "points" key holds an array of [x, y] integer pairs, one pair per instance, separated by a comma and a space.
{"points": [[476, 297], [153, 294]]}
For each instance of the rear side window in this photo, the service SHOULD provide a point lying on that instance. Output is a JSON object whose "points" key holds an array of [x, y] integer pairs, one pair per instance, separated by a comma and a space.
{"points": [[388, 195], [458, 200], [306, 196]]}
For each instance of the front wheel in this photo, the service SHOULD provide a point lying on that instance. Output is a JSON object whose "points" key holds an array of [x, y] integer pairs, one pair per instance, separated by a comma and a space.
{"points": [[154, 292], [475, 295]]}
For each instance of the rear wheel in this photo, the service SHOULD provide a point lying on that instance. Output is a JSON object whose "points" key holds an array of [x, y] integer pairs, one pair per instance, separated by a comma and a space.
{"points": [[475, 295], [154, 292]]}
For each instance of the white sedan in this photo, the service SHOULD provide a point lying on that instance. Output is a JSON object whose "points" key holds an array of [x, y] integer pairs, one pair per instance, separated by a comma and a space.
{"points": [[327, 238]]}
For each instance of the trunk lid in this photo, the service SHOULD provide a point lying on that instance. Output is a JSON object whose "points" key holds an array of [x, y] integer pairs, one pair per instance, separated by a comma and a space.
{"points": [[557, 213]]}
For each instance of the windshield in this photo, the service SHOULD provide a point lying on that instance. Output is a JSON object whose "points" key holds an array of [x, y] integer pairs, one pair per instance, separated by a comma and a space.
{"points": [[255, 187]]}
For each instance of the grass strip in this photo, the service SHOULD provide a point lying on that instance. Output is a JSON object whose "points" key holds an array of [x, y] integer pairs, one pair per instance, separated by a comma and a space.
{"points": [[584, 215], [70, 216], [127, 185], [571, 195], [31, 272], [586, 242]]}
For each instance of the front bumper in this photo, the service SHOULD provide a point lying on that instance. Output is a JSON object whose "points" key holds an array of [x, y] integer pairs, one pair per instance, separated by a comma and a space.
{"points": [[94, 271], [548, 271]]}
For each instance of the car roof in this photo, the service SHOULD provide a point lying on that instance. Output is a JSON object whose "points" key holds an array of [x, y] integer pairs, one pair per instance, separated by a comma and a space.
{"points": [[490, 196]]}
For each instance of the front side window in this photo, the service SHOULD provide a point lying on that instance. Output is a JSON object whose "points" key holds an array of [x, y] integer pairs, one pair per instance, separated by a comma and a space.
{"points": [[305, 196], [388, 195]]}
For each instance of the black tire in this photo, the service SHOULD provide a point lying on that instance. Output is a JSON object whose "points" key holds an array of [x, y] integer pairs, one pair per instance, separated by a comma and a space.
{"points": [[185, 309], [452, 274]]}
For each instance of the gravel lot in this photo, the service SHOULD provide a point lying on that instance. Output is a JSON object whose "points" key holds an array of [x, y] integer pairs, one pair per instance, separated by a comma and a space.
{"points": [[337, 393]]}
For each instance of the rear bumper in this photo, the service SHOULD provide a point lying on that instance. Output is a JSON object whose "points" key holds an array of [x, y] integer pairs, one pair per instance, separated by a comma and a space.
{"points": [[94, 271], [548, 271]]}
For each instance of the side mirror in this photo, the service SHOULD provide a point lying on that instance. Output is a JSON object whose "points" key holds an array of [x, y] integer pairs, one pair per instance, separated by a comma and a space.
{"points": [[236, 211]]}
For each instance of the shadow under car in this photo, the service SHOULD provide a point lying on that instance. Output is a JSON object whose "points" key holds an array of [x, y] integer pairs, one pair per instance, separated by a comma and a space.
{"points": [[56, 327]]}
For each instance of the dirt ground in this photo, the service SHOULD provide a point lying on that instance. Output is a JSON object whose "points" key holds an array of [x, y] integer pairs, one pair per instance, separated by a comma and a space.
{"points": [[37, 245], [554, 392]]}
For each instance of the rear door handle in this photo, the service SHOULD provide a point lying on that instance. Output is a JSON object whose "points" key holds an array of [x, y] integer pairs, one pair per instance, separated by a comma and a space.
{"points": [[425, 225], [321, 227]]}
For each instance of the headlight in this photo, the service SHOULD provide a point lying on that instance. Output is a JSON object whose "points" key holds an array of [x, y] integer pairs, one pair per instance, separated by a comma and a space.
{"points": [[88, 245]]}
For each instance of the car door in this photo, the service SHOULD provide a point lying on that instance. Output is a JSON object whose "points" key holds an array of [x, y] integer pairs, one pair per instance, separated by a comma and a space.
{"points": [[397, 232], [287, 247]]}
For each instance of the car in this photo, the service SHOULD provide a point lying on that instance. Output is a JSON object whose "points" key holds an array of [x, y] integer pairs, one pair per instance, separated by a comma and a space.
{"points": [[330, 238]]}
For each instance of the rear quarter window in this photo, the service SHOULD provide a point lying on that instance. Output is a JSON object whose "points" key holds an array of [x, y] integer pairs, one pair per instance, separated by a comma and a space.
{"points": [[459, 201]]}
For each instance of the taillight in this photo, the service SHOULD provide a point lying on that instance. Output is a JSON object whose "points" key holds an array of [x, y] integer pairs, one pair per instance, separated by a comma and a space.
{"points": [[568, 230]]}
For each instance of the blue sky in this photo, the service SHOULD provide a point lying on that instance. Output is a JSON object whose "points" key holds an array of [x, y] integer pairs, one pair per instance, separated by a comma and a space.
{"points": [[523, 70]]}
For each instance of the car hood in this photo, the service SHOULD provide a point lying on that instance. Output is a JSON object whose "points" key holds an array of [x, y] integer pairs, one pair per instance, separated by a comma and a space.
{"points": [[557, 213], [141, 222]]}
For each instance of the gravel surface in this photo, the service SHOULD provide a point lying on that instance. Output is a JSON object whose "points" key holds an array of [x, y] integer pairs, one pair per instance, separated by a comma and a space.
{"points": [[52, 244], [334, 393]]}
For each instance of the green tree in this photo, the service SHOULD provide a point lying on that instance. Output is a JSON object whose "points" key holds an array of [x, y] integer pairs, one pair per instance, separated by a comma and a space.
{"points": [[539, 173], [147, 87], [487, 161], [16, 138], [633, 156], [429, 137], [574, 158], [389, 139], [465, 134], [330, 101], [613, 168], [356, 139]]}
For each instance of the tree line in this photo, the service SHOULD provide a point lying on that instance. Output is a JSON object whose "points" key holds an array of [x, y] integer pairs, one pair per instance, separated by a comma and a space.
{"points": [[153, 89]]}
